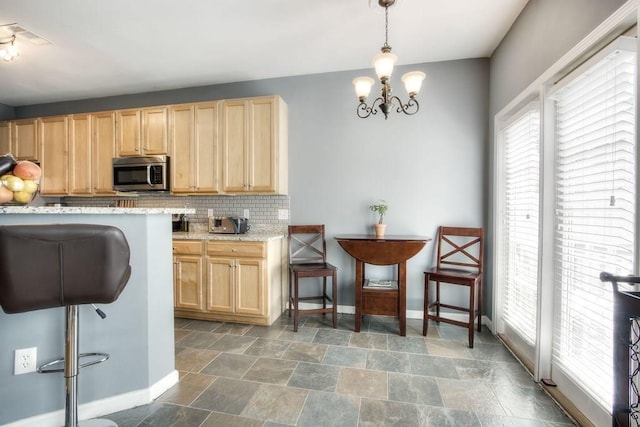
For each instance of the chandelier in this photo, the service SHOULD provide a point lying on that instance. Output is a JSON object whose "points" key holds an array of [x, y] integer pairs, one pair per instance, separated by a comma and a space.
{"points": [[9, 52], [383, 63]]}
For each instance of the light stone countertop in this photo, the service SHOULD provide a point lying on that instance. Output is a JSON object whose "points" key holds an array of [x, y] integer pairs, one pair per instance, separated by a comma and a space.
{"points": [[247, 237], [92, 210]]}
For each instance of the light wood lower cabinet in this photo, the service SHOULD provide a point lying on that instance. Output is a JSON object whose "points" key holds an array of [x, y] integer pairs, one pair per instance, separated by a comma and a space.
{"points": [[242, 281], [188, 275]]}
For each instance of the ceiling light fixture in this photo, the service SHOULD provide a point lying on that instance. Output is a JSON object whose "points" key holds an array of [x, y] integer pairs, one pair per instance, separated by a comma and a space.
{"points": [[383, 63], [9, 52]]}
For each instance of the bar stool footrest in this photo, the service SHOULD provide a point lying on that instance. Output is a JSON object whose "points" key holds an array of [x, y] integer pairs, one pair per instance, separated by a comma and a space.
{"points": [[47, 367]]}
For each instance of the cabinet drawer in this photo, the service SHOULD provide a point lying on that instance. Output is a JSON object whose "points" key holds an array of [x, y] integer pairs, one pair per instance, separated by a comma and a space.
{"points": [[187, 247], [237, 249]]}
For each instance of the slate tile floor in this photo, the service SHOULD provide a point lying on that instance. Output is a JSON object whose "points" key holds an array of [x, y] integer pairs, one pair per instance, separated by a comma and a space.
{"points": [[239, 375]]}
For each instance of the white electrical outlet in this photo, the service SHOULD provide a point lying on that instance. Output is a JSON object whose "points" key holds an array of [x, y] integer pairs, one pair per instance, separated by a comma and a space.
{"points": [[245, 213], [283, 213], [25, 360], [209, 212]]}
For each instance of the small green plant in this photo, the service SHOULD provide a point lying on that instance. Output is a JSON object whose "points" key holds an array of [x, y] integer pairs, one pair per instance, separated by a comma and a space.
{"points": [[381, 208]]}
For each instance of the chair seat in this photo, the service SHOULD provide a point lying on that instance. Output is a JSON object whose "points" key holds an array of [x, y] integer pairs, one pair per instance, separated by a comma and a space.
{"points": [[313, 267], [457, 275]]}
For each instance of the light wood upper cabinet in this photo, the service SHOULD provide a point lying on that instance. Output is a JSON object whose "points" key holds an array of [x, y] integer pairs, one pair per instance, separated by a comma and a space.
{"points": [[80, 154], [193, 139], [5, 138], [103, 147], [142, 132], [154, 135], [25, 139], [54, 140], [129, 133], [254, 143]]}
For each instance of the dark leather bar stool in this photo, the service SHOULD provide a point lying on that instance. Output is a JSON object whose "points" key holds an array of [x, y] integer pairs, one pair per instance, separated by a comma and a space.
{"points": [[63, 265]]}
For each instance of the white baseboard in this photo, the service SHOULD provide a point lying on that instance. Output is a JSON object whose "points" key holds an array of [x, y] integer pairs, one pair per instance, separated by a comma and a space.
{"points": [[411, 314], [98, 408]]}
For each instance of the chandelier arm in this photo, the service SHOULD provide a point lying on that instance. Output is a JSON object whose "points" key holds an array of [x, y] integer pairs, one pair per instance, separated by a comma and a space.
{"points": [[13, 39], [365, 111], [407, 108]]}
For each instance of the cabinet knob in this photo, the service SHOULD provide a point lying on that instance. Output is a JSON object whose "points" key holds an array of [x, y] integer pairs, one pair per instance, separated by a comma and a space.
{"points": [[234, 250]]}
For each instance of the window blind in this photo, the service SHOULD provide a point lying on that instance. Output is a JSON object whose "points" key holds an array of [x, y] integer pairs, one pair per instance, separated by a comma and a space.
{"points": [[595, 216], [520, 228]]}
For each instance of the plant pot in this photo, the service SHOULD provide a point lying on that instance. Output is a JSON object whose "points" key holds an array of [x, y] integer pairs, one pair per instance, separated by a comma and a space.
{"points": [[379, 230]]}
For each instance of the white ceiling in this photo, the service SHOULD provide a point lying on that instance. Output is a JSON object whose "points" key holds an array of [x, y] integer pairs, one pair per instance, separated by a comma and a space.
{"points": [[113, 47]]}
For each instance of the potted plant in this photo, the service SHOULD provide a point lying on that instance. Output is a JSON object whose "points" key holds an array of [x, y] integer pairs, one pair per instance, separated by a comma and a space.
{"points": [[381, 209]]}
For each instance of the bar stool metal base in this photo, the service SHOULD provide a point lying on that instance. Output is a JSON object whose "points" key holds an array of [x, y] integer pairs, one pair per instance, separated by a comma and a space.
{"points": [[97, 422], [71, 369]]}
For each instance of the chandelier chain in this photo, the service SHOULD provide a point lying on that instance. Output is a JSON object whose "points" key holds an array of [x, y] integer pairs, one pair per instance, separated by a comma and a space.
{"points": [[386, 26]]}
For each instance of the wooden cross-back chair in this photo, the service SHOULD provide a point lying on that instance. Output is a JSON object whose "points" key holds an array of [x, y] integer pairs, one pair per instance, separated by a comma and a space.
{"points": [[308, 258], [459, 262]]}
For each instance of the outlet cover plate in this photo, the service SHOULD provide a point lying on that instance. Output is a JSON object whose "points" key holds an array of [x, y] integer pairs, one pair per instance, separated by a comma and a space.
{"points": [[25, 360], [283, 214]]}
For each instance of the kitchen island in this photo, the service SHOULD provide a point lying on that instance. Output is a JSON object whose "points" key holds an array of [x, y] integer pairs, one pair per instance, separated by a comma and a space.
{"points": [[137, 333]]}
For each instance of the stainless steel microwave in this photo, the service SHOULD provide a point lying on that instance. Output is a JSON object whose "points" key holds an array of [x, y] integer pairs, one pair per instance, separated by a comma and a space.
{"points": [[141, 173]]}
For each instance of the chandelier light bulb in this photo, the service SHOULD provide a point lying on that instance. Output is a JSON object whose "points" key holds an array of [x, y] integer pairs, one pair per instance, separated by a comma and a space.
{"points": [[384, 62], [363, 86], [413, 81], [12, 50]]}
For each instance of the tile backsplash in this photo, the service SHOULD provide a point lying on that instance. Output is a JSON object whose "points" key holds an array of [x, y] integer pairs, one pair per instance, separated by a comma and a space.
{"points": [[263, 210]]}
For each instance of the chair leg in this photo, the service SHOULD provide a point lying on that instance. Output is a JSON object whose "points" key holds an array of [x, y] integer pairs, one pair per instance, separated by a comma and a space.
{"points": [[425, 321], [437, 302], [334, 298], [472, 313], [479, 305], [324, 294], [296, 312], [290, 291]]}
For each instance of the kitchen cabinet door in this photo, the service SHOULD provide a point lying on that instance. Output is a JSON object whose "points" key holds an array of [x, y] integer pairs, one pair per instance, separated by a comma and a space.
{"points": [[103, 146], [262, 155], [5, 138], [154, 133], [182, 149], [188, 282], [25, 140], [235, 140], [53, 134], [128, 137], [250, 285], [205, 141], [80, 154], [220, 285]]}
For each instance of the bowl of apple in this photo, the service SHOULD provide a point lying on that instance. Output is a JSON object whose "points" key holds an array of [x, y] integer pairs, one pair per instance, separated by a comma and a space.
{"points": [[19, 180]]}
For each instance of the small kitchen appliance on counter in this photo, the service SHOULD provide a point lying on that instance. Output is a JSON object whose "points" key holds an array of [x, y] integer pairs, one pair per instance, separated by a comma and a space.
{"points": [[228, 225], [179, 222]]}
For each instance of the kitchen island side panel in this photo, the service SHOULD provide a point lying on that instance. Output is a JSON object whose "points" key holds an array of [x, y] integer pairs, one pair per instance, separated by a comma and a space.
{"points": [[137, 333]]}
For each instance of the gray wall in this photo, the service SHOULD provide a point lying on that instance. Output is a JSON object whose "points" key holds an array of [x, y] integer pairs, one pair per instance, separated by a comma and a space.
{"points": [[6, 112], [542, 34], [429, 167]]}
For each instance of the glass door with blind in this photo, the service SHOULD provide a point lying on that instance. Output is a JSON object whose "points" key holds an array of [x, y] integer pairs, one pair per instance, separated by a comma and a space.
{"points": [[594, 201], [519, 232], [551, 306]]}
